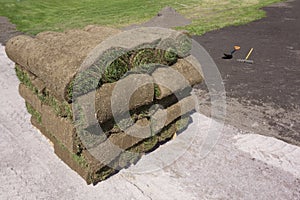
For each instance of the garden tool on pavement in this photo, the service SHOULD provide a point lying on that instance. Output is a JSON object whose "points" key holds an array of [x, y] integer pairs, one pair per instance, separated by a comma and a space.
{"points": [[246, 59], [229, 56]]}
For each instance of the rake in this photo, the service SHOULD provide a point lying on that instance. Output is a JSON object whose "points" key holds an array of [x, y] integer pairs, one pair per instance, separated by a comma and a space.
{"points": [[246, 59]]}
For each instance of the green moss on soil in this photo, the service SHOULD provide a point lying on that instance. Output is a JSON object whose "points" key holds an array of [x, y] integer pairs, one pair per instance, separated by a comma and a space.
{"points": [[61, 109], [183, 123], [24, 78], [34, 113], [157, 91], [70, 91], [80, 160], [103, 174]]}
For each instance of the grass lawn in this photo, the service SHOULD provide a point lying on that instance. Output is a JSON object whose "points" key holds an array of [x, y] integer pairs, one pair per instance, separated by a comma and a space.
{"points": [[34, 16]]}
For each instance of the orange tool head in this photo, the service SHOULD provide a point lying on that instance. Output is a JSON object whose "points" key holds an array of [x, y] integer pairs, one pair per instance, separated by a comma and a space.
{"points": [[237, 48]]}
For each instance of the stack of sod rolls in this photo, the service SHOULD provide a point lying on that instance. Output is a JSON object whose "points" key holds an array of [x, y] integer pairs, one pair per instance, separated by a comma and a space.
{"points": [[105, 97]]}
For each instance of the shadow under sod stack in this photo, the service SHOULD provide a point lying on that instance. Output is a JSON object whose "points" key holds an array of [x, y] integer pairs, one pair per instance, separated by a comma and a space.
{"points": [[106, 97]]}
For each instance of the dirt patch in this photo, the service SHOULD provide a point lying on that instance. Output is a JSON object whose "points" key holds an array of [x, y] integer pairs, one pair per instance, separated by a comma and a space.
{"points": [[263, 97], [266, 119], [7, 30], [168, 17], [282, 4]]}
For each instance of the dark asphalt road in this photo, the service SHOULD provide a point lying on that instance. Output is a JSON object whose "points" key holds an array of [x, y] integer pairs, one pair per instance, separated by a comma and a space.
{"points": [[275, 74]]}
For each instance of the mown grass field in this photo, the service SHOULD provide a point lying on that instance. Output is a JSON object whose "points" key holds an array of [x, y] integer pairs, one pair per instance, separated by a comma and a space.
{"points": [[34, 16]]}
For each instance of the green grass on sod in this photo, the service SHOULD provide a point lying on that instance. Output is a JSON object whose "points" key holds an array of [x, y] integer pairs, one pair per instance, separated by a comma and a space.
{"points": [[34, 16]]}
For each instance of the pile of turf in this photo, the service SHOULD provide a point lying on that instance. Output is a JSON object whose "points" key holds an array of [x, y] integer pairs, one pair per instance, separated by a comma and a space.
{"points": [[77, 99]]}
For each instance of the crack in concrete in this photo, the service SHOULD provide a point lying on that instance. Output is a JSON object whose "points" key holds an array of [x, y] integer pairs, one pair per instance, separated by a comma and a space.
{"points": [[137, 187]]}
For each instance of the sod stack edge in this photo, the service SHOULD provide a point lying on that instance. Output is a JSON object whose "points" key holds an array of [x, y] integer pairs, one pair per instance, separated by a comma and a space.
{"points": [[59, 70]]}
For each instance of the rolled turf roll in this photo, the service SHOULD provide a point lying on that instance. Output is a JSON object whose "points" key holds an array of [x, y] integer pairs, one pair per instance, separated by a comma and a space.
{"points": [[169, 82], [115, 68], [182, 39], [17, 49], [177, 79], [132, 92], [190, 69], [163, 117], [142, 57], [30, 97], [81, 40], [62, 128], [166, 51], [33, 89], [112, 65], [51, 37], [163, 136], [56, 63], [183, 45], [163, 53]]}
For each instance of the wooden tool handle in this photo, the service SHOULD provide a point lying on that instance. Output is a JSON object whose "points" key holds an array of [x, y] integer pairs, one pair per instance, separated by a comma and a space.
{"points": [[248, 55]]}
